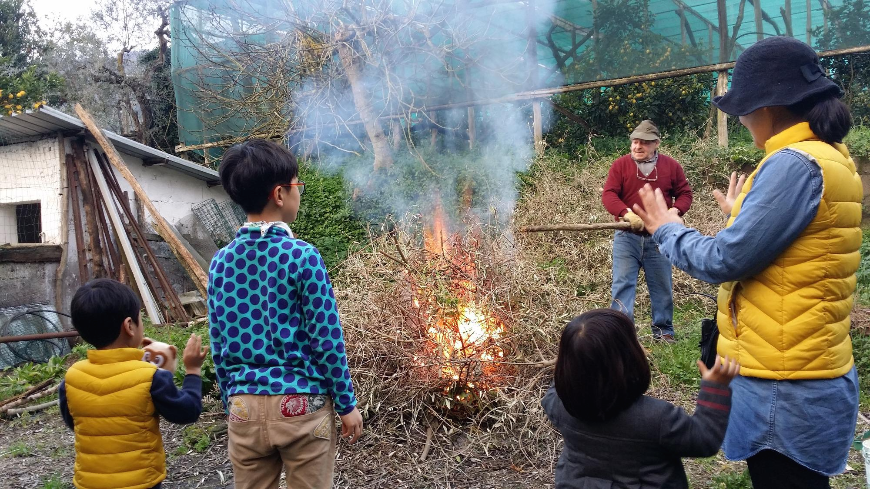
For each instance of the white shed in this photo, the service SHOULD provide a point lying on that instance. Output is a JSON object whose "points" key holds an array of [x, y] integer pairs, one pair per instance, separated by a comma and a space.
{"points": [[39, 254]]}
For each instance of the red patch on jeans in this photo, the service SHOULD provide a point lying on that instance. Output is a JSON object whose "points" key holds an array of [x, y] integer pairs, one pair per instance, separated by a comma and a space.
{"points": [[294, 405]]}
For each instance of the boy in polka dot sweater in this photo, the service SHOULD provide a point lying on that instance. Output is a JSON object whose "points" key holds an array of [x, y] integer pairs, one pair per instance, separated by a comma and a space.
{"points": [[276, 338]]}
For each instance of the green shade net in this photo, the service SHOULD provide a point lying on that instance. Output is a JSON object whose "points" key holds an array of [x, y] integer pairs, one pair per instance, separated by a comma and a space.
{"points": [[237, 65]]}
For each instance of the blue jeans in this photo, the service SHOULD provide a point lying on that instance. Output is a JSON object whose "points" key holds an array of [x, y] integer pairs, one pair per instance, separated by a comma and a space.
{"points": [[630, 253]]}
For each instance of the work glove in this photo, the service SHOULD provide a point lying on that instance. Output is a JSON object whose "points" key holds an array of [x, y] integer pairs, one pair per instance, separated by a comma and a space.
{"points": [[635, 221]]}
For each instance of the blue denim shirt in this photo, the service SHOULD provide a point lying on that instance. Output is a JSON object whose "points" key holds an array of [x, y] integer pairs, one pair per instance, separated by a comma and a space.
{"points": [[810, 421]]}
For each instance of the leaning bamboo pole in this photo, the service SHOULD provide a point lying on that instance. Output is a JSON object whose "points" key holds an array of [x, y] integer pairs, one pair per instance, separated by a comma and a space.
{"points": [[197, 274]]}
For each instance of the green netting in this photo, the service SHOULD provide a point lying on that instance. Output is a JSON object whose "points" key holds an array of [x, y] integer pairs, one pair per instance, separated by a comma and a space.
{"points": [[264, 66]]}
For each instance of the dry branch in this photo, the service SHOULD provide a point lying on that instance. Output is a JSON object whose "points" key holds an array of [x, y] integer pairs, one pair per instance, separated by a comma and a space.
{"points": [[429, 434], [8, 408], [38, 387], [31, 409]]}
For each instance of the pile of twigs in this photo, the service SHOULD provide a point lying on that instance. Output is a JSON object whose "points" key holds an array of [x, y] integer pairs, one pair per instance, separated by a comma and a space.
{"points": [[18, 404]]}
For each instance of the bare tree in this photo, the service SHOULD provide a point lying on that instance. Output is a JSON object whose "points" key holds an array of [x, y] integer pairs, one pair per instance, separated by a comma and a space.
{"points": [[315, 69]]}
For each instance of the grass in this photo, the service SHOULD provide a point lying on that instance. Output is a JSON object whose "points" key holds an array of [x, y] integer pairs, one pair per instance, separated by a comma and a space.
{"points": [[20, 449], [196, 438], [21, 378], [731, 480], [55, 481]]}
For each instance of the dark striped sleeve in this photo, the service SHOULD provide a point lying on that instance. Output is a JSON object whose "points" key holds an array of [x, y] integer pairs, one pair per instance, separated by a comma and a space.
{"points": [[701, 434]]}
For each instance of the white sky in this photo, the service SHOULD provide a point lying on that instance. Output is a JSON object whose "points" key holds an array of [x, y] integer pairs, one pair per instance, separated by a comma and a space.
{"points": [[50, 10]]}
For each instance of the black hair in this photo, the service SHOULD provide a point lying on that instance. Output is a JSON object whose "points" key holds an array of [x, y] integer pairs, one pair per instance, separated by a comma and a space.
{"points": [[250, 171], [601, 369], [828, 116], [99, 308]]}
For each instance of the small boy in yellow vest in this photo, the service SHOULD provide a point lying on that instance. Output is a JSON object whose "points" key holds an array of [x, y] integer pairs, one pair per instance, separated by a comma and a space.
{"points": [[113, 400]]}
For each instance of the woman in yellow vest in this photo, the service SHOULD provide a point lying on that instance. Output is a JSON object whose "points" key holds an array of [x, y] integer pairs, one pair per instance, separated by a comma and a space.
{"points": [[786, 261]]}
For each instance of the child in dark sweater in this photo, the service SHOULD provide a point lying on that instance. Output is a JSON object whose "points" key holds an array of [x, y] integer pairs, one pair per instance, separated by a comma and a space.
{"points": [[615, 436]]}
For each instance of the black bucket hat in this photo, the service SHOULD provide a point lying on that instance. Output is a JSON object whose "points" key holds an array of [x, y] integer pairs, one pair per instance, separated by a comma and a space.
{"points": [[775, 71]]}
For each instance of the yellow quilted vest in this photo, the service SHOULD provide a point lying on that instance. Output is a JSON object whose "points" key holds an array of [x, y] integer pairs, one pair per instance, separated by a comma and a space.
{"points": [[118, 443], [791, 321]]}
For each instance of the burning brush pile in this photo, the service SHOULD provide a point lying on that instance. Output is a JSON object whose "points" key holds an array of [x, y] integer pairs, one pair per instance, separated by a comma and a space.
{"points": [[443, 330]]}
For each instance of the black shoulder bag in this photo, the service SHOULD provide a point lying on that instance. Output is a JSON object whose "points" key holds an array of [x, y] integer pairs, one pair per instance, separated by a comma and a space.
{"points": [[709, 338]]}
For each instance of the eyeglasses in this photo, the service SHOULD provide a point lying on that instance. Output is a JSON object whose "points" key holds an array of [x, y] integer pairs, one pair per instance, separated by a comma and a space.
{"points": [[647, 178], [300, 184]]}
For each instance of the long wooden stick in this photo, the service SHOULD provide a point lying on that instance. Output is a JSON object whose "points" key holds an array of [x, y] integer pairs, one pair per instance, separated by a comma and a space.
{"points": [[623, 226], [148, 300], [30, 409], [94, 245], [38, 387], [8, 408], [197, 274]]}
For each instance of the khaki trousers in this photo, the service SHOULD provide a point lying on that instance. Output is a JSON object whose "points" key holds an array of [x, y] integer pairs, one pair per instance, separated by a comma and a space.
{"points": [[262, 440]]}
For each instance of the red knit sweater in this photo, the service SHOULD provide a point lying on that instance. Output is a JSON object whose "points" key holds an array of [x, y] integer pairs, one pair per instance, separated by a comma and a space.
{"points": [[620, 190]]}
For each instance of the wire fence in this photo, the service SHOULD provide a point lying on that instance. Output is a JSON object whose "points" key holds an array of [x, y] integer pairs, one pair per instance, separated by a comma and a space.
{"points": [[27, 320], [222, 220]]}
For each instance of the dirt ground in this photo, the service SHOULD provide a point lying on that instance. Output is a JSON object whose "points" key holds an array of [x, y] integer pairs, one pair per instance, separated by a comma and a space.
{"points": [[37, 452]]}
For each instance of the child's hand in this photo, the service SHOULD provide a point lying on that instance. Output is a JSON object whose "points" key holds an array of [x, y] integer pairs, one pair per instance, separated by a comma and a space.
{"points": [[194, 355], [722, 372], [351, 426]]}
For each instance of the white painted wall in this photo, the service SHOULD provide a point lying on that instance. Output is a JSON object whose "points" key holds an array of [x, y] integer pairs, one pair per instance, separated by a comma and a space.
{"points": [[8, 224], [173, 193], [30, 172]]}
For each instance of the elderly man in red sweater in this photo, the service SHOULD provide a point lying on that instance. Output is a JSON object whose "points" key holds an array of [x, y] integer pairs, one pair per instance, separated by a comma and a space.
{"points": [[635, 249]]}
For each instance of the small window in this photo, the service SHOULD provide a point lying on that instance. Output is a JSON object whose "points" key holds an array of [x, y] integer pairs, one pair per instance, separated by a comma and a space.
{"points": [[28, 222]]}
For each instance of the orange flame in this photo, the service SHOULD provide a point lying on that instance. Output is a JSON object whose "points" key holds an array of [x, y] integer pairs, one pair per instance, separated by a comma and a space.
{"points": [[470, 332]]}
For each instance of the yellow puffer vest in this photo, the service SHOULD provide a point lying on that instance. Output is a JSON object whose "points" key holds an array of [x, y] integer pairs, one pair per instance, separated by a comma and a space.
{"points": [[791, 321], [118, 443]]}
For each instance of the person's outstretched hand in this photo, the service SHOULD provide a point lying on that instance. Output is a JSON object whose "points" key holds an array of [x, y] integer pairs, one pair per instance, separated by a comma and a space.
{"points": [[351, 426], [722, 372], [655, 210], [726, 202], [194, 355]]}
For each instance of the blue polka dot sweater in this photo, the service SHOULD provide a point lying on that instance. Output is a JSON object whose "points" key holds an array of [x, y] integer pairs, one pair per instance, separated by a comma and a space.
{"points": [[274, 323]]}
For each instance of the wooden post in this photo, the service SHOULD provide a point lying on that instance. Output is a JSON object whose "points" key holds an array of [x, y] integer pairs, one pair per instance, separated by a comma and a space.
{"points": [[433, 129], [532, 62], [710, 38], [94, 245], [759, 26], [64, 223], [682, 17], [721, 117], [77, 219], [148, 301], [197, 274], [472, 131], [786, 17], [809, 22], [469, 95], [722, 81]]}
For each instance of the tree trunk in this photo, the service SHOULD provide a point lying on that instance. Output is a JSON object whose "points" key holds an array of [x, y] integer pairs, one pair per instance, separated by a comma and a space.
{"points": [[353, 68]]}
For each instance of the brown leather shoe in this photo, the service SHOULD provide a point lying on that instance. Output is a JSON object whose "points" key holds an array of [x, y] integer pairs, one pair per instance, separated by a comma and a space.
{"points": [[667, 338]]}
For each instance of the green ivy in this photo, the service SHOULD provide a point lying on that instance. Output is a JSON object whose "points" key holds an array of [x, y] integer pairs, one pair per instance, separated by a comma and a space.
{"points": [[326, 218], [858, 142]]}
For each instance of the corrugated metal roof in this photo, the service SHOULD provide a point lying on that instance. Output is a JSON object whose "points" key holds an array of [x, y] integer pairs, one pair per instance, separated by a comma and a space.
{"points": [[31, 124]]}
